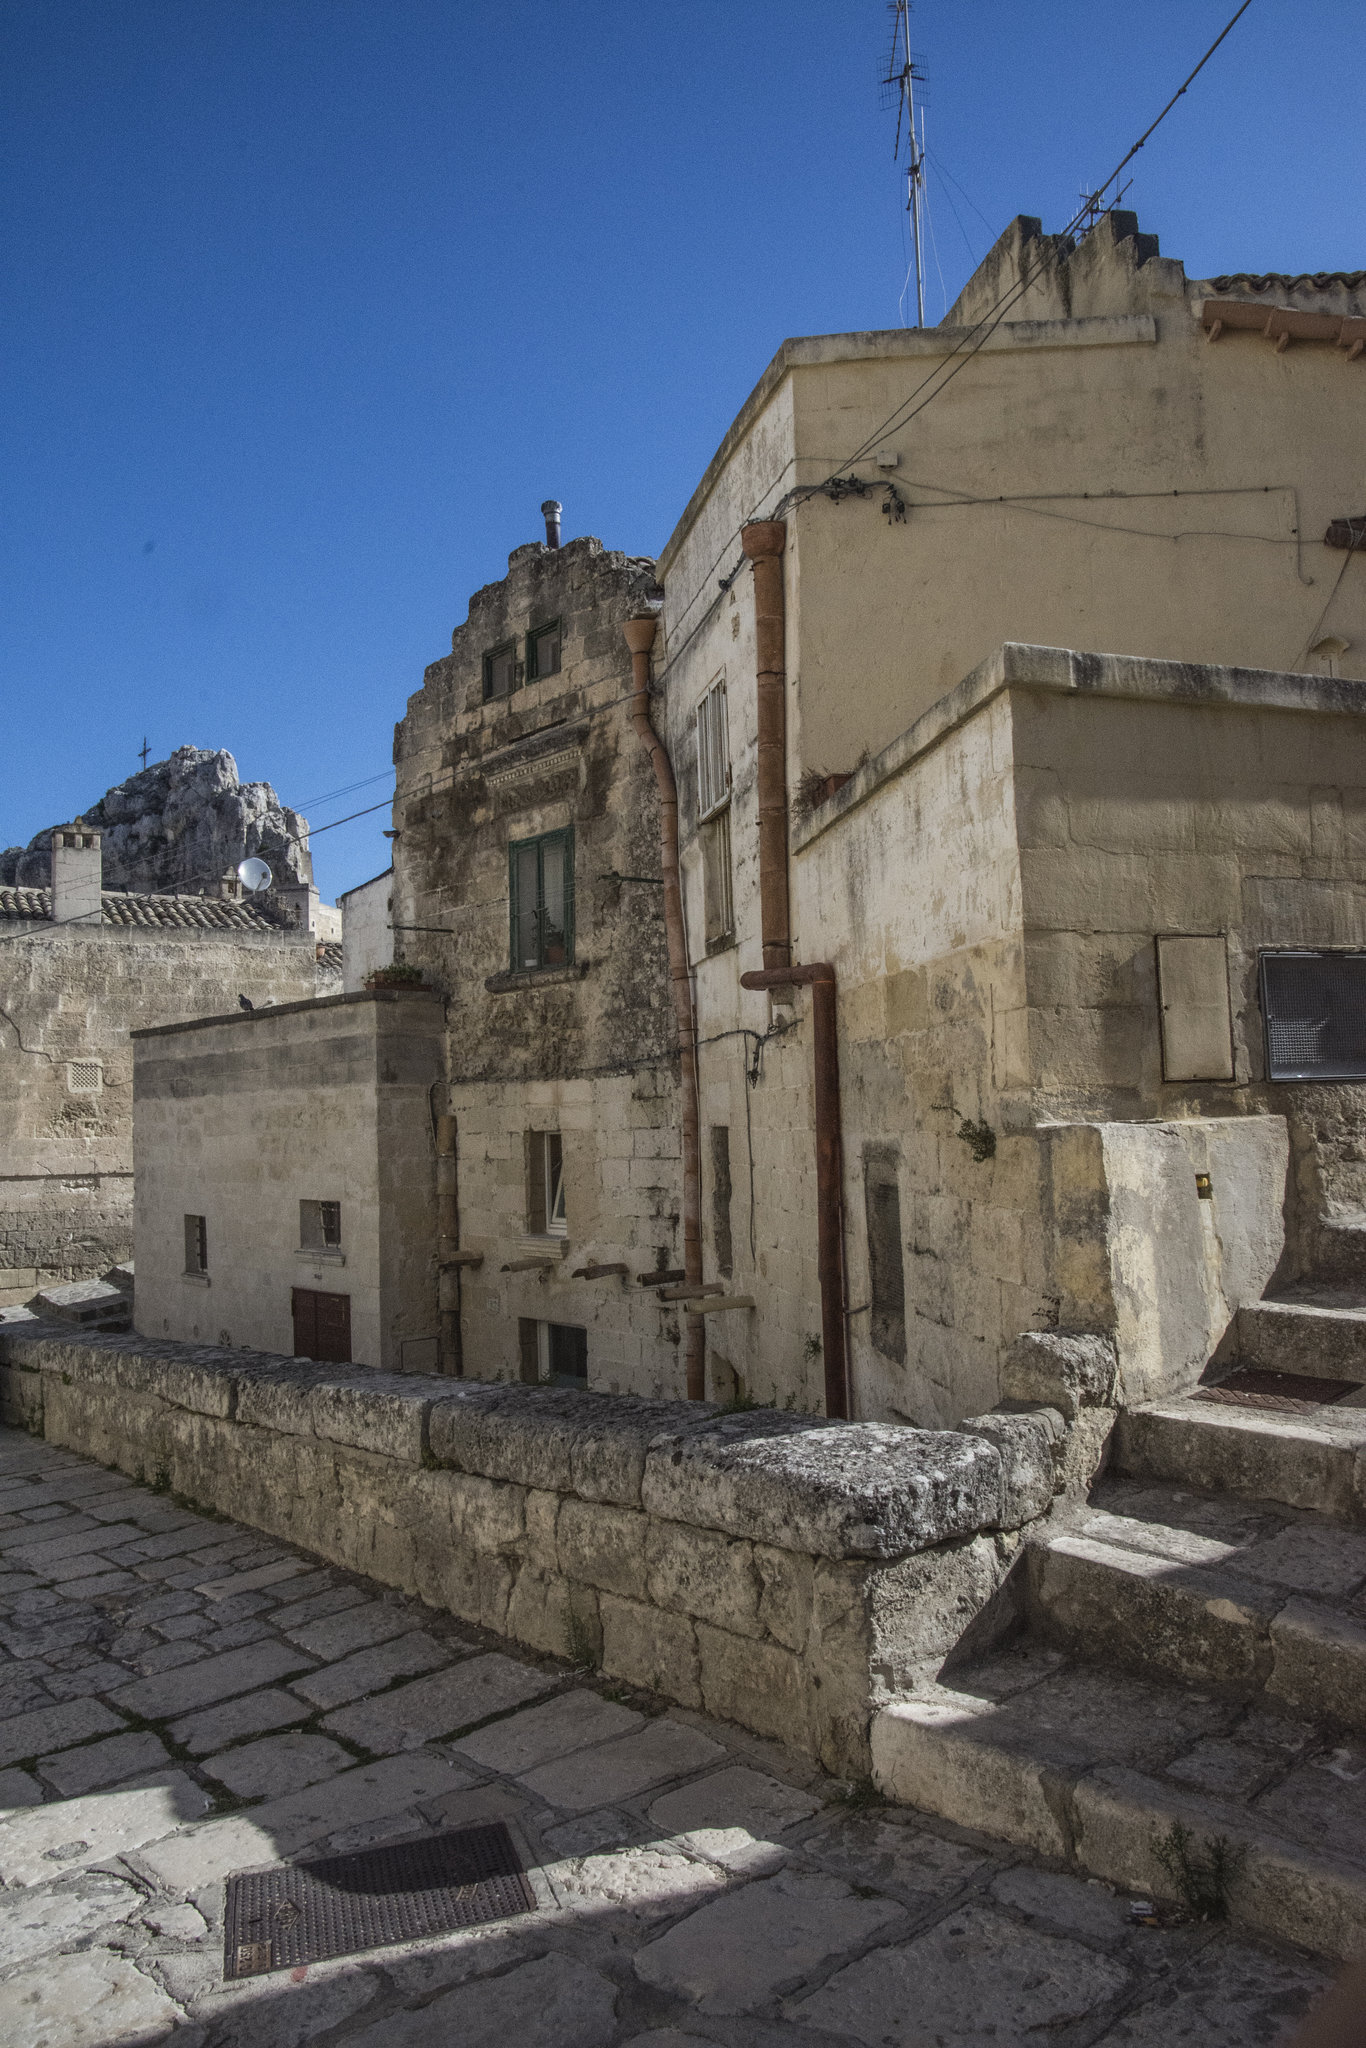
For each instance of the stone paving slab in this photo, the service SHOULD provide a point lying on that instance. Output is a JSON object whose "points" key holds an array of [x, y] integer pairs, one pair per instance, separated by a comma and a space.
{"points": [[697, 1887], [406, 1716]]}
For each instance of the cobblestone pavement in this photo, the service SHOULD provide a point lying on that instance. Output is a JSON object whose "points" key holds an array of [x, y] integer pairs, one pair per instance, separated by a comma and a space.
{"points": [[181, 1698]]}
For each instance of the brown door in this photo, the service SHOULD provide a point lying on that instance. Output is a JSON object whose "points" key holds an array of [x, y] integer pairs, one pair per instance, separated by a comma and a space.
{"points": [[322, 1326]]}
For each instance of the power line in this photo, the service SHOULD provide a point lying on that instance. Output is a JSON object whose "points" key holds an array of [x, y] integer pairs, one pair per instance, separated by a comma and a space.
{"points": [[955, 359], [348, 789]]}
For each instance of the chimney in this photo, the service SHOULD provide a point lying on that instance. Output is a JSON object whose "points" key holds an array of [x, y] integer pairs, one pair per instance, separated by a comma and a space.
{"points": [[301, 898], [77, 874], [551, 511]]}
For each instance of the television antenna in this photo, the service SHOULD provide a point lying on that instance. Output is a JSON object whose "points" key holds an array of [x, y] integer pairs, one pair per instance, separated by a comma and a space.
{"points": [[903, 73]]}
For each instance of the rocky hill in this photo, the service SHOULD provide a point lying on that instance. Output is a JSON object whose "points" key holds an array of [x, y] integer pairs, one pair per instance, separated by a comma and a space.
{"points": [[179, 825]]}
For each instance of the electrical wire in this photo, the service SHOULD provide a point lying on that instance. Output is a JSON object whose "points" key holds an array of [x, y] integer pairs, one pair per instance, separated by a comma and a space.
{"points": [[1317, 628], [348, 789]]}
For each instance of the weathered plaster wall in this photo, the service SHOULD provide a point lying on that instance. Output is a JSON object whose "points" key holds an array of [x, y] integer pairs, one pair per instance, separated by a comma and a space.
{"points": [[75, 994], [1041, 482], [241, 1118], [367, 930], [783, 1574]]}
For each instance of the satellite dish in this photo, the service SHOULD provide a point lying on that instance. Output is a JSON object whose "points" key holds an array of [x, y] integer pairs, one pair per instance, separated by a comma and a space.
{"points": [[254, 875]]}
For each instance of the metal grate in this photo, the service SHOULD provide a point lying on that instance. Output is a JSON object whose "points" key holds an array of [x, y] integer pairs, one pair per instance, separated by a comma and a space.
{"points": [[1287, 1393], [301, 1913], [1314, 1008]]}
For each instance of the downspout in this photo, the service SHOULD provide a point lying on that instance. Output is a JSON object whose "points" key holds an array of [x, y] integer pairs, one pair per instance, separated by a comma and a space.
{"points": [[763, 542], [451, 1358], [820, 978], [640, 634]]}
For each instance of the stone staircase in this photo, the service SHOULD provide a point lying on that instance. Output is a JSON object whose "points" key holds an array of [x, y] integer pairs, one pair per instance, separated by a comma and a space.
{"points": [[1194, 1650]]}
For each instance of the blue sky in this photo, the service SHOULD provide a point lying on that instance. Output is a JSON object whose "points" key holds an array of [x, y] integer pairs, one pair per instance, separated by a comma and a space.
{"points": [[311, 302]]}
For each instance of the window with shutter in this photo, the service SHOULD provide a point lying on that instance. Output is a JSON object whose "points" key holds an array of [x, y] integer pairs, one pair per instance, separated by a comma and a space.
{"points": [[713, 751], [541, 901]]}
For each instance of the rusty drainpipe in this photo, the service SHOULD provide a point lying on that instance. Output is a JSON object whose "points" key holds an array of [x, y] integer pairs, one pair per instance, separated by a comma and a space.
{"points": [[763, 542], [640, 634], [451, 1356]]}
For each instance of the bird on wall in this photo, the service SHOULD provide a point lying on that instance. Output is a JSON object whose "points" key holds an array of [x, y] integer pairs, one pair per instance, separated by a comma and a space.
{"points": [[246, 1002]]}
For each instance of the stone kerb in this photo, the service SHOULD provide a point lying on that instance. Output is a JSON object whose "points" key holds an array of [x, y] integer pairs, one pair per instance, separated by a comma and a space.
{"points": [[779, 1571]]}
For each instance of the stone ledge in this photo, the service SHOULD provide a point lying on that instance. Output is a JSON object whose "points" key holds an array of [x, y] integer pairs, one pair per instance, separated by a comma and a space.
{"points": [[780, 1570]]}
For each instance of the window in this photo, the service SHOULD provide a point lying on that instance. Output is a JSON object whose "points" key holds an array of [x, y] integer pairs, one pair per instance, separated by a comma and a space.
{"points": [[502, 671], [319, 1226], [886, 1271], [196, 1244], [1314, 1008], [552, 1354], [545, 1185], [543, 651], [322, 1326], [720, 1199], [541, 899], [717, 900], [713, 752]]}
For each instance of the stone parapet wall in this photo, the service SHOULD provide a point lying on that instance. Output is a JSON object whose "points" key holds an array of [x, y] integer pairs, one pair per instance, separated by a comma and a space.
{"points": [[779, 1571]]}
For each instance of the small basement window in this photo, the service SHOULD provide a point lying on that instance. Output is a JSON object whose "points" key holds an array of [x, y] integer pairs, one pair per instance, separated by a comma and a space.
{"points": [[319, 1226], [552, 1354], [545, 1185], [196, 1244], [1314, 1012], [502, 671], [543, 651], [541, 901]]}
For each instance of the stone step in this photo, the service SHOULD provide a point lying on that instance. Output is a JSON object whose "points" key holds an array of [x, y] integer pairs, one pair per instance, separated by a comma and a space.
{"points": [[1303, 1461], [93, 1304], [1319, 1333], [1247, 1600], [1097, 1769]]}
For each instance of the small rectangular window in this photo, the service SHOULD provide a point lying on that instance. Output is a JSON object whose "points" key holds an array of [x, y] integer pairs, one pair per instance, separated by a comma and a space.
{"points": [[552, 1354], [502, 671], [713, 751], [543, 651], [720, 1199], [886, 1267], [545, 1189], [319, 1225], [717, 896], [1314, 1010], [541, 901], [196, 1244]]}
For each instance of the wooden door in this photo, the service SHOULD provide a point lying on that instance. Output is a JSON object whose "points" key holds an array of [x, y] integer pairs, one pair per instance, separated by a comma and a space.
{"points": [[322, 1326]]}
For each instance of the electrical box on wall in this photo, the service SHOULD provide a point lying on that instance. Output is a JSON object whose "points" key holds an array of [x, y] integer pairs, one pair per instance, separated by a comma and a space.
{"points": [[1314, 1012], [1192, 994]]}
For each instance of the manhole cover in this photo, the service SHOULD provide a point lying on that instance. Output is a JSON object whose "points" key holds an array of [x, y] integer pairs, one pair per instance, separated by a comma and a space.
{"points": [[1289, 1393], [336, 1906]]}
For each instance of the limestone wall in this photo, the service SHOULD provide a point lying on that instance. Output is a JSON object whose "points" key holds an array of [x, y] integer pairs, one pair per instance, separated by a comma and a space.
{"points": [[242, 1118], [780, 1572], [623, 1200], [74, 996]]}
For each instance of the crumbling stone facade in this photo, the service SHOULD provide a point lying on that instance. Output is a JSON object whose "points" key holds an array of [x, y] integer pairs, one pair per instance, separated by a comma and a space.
{"points": [[567, 1041]]}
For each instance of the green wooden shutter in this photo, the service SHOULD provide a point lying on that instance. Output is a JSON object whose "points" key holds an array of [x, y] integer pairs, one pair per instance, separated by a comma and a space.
{"points": [[568, 857]]}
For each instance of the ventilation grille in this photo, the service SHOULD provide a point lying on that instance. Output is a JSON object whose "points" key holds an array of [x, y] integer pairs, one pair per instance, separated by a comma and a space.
{"points": [[1314, 1008], [84, 1077]]}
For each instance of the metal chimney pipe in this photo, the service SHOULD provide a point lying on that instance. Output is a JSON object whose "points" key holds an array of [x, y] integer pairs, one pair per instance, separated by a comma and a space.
{"points": [[551, 511]]}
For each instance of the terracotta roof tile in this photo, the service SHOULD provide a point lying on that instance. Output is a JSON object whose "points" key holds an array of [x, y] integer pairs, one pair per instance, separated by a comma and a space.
{"points": [[168, 913]]}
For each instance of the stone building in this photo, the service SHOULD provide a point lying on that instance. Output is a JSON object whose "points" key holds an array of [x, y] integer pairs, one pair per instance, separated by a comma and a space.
{"points": [[1048, 891], [80, 967], [1012, 985], [527, 886]]}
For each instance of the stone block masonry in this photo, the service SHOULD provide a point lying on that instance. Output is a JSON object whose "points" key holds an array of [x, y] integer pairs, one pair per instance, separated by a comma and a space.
{"points": [[778, 1571]]}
